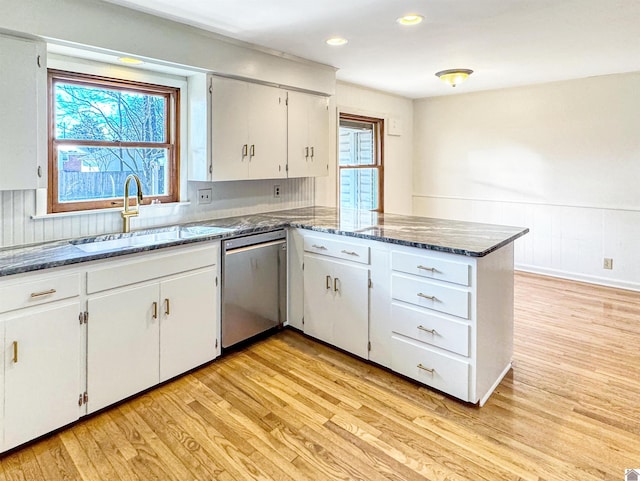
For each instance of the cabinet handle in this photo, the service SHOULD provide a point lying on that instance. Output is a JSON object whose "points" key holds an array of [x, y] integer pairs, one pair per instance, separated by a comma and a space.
{"points": [[167, 307], [312, 153], [43, 293], [335, 284], [15, 352], [425, 268], [351, 253], [252, 151], [306, 152], [430, 331], [244, 150], [429, 370], [322, 248], [328, 282], [155, 310], [424, 296]]}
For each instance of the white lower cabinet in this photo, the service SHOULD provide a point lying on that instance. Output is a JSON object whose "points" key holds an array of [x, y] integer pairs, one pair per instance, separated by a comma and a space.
{"points": [[188, 336], [42, 371], [442, 319], [153, 318], [337, 303], [123, 349]]}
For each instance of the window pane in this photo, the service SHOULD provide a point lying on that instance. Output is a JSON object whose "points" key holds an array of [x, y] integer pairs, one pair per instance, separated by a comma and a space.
{"points": [[92, 173], [356, 143], [92, 113], [359, 188]]}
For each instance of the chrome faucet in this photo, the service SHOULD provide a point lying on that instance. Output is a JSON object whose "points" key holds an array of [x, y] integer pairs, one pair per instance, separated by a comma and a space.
{"points": [[129, 212]]}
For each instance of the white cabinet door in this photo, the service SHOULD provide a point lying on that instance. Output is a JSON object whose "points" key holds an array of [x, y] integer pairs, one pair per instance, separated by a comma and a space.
{"points": [[267, 132], [318, 299], [42, 372], [318, 136], [230, 129], [308, 135], [123, 344], [23, 142], [189, 324], [351, 308], [336, 304]]}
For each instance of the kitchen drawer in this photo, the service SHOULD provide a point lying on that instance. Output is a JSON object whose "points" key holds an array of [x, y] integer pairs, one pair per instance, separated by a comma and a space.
{"points": [[431, 267], [148, 266], [337, 248], [425, 326], [432, 295], [434, 369], [40, 290]]}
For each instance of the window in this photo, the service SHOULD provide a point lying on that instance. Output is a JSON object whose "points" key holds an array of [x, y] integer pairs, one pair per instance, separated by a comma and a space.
{"points": [[100, 131], [360, 165]]}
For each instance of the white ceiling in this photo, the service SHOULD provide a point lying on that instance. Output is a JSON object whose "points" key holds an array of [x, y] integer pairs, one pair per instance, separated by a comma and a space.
{"points": [[506, 42]]}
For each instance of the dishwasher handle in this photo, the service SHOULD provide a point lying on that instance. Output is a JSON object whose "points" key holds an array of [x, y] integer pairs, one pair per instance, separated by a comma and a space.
{"points": [[238, 250]]}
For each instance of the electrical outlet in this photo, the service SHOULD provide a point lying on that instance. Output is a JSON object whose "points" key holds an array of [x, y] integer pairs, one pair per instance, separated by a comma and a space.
{"points": [[276, 191], [608, 263], [204, 196]]}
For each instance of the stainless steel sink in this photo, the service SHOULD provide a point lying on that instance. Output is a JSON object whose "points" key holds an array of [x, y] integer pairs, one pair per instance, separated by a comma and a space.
{"points": [[145, 238]]}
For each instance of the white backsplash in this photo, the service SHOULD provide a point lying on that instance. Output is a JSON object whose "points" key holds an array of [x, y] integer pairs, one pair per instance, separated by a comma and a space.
{"points": [[229, 199]]}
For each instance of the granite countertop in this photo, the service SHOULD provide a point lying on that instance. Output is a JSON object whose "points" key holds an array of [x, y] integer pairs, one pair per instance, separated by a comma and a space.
{"points": [[457, 237]]}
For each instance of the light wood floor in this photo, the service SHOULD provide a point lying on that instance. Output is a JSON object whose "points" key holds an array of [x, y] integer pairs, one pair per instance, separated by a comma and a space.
{"points": [[289, 408]]}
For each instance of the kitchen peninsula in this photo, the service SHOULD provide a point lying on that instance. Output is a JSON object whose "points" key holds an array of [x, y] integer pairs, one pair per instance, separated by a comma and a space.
{"points": [[431, 299]]}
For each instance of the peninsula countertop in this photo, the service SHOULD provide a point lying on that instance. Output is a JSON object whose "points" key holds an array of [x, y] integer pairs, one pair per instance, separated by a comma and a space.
{"points": [[457, 237]]}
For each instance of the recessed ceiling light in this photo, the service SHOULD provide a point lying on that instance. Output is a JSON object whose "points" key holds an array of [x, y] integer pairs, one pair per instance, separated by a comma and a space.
{"points": [[337, 41], [411, 19], [130, 60]]}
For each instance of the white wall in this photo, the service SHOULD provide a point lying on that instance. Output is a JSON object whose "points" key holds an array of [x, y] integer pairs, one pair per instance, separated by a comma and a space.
{"points": [[102, 25], [398, 149], [562, 159]]}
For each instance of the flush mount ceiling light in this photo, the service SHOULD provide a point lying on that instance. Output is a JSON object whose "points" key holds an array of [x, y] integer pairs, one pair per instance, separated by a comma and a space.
{"points": [[454, 76], [337, 41], [411, 19], [130, 60]]}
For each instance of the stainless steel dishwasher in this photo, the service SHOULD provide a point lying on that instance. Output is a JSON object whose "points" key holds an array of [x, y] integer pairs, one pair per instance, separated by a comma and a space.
{"points": [[253, 285]]}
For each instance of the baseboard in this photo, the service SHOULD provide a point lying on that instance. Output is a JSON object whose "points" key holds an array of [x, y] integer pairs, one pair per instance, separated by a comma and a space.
{"points": [[601, 281]]}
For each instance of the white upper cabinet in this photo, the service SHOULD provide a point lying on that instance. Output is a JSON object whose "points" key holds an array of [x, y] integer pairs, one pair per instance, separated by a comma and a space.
{"points": [[23, 132], [249, 131], [308, 135]]}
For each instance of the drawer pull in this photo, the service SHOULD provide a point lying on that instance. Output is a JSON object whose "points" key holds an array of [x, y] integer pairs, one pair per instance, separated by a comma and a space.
{"points": [[155, 310], [15, 352], [322, 248], [430, 371], [424, 296], [43, 293], [430, 331], [430, 269], [328, 282], [350, 253]]}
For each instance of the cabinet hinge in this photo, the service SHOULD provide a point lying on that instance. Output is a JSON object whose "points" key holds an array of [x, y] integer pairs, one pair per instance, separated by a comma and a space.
{"points": [[369, 346], [370, 284], [38, 61], [286, 101], [303, 320], [210, 169], [216, 343], [303, 266], [80, 400], [83, 399], [216, 286], [286, 167]]}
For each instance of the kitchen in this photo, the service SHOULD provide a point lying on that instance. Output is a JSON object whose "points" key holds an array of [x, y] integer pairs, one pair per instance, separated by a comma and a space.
{"points": [[574, 223]]}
